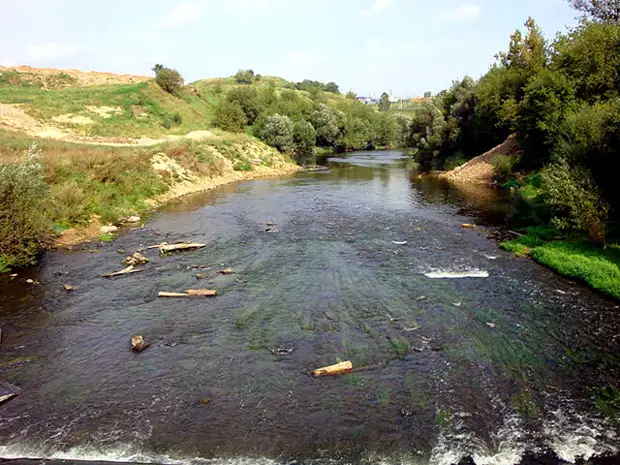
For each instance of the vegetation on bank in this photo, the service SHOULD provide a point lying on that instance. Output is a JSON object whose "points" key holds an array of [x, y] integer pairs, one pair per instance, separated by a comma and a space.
{"points": [[58, 185], [572, 257], [562, 101]]}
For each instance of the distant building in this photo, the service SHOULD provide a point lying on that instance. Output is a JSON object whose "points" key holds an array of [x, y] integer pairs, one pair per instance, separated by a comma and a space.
{"points": [[368, 100]]}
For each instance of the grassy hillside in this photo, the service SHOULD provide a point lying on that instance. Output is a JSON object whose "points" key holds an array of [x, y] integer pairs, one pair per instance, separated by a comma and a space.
{"points": [[134, 110], [62, 191]]}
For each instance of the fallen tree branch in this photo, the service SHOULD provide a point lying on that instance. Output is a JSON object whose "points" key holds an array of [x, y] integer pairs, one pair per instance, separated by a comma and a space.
{"points": [[130, 269], [189, 293], [181, 246]]}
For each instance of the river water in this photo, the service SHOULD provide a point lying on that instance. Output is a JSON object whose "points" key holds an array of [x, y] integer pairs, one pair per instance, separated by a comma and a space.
{"points": [[361, 265]]}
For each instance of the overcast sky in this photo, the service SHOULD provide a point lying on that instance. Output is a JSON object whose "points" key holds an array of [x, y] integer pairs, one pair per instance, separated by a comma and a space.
{"points": [[406, 46]]}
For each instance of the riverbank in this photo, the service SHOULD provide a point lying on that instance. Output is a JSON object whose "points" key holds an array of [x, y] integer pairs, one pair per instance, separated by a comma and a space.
{"points": [[84, 187], [574, 258]]}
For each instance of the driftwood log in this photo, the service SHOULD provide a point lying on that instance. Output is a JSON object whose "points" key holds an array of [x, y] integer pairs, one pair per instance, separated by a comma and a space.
{"points": [[163, 248], [337, 369], [130, 269], [189, 293]]}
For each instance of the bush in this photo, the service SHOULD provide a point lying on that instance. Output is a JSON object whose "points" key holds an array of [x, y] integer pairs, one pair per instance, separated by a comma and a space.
{"points": [[229, 116], [245, 76], [575, 200], [24, 222], [69, 204], [247, 98], [168, 79], [304, 137], [502, 168], [277, 131]]}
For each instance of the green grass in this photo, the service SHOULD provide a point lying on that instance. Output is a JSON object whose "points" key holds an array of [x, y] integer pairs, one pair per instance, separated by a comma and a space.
{"points": [[145, 109], [107, 237], [4, 268], [575, 258]]}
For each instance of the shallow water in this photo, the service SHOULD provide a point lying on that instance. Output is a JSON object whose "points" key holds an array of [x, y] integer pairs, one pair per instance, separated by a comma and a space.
{"points": [[509, 358]]}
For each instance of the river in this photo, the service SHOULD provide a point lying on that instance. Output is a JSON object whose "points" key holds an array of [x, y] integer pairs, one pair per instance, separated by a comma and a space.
{"points": [[359, 265]]}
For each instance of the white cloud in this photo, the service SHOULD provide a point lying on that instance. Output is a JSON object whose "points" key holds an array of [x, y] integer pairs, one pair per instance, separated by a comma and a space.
{"points": [[51, 51], [468, 12], [376, 7], [183, 14]]}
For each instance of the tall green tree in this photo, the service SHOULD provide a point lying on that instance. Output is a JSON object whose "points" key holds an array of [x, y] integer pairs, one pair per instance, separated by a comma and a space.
{"points": [[606, 11], [384, 102]]}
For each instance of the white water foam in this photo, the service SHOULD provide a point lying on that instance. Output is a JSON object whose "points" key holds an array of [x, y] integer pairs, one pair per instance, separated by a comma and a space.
{"points": [[452, 274], [570, 435]]}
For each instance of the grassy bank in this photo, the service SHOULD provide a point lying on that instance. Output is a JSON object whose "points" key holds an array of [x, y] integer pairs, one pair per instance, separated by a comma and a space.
{"points": [[79, 183], [573, 257], [120, 110]]}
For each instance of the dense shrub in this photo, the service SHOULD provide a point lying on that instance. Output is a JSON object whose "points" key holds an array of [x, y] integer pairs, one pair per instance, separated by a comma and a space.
{"points": [[229, 116], [327, 123], [248, 99], [575, 200], [245, 76], [24, 222], [168, 79], [304, 139], [277, 131]]}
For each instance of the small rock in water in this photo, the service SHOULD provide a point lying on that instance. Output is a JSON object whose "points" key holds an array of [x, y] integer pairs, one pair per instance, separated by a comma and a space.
{"points": [[135, 259], [282, 351], [226, 271], [133, 219], [399, 242], [406, 412], [14, 275], [560, 291], [200, 276], [457, 304], [138, 344], [422, 297], [121, 251], [107, 229], [270, 223], [490, 257], [205, 401], [67, 287], [491, 325]]}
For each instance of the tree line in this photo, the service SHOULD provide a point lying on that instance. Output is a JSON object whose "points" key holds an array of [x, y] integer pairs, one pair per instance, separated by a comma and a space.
{"points": [[562, 100]]}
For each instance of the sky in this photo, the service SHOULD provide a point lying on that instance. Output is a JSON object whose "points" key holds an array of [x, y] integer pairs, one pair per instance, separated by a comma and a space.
{"points": [[405, 47]]}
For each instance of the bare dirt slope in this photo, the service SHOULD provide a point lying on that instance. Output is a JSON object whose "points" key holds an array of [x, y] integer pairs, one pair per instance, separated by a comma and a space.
{"points": [[14, 118], [480, 169], [82, 78]]}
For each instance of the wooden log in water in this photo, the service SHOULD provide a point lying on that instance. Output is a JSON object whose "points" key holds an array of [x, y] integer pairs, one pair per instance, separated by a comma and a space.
{"points": [[180, 246], [337, 369], [190, 293], [130, 269], [7, 397], [202, 292], [173, 294]]}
